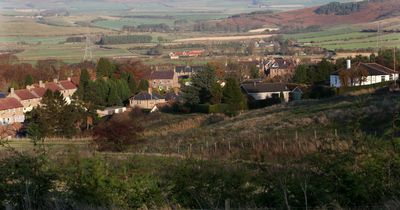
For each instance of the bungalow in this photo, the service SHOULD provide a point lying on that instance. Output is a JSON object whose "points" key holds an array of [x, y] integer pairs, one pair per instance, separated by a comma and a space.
{"points": [[11, 111], [261, 91], [146, 100], [375, 73], [163, 80]]}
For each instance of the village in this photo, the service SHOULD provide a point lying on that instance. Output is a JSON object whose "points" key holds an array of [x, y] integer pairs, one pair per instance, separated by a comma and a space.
{"points": [[275, 77]]}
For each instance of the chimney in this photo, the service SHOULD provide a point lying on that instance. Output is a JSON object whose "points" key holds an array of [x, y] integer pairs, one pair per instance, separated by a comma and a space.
{"points": [[348, 64], [41, 84], [69, 79], [12, 90], [55, 80]]}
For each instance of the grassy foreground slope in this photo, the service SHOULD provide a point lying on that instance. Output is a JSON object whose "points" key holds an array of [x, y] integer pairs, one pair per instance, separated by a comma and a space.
{"points": [[295, 128]]}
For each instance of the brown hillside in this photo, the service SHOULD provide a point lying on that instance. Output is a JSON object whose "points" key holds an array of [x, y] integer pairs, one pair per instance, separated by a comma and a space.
{"points": [[307, 17]]}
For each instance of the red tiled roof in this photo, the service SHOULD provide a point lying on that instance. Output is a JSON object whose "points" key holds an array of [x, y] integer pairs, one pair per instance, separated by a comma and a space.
{"points": [[24, 94], [68, 85], [39, 91], [75, 80], [9, 103], [53, 86]]}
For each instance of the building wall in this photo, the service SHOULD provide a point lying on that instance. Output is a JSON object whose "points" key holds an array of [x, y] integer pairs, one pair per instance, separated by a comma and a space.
{"points": [[165, 84], [11, 116], [145, 104], [374, 79], [28, 104], [265, 95]]}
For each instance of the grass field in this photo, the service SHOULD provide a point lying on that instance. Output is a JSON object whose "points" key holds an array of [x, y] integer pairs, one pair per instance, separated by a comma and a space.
{"points": [[347, 38], [69, 53]]}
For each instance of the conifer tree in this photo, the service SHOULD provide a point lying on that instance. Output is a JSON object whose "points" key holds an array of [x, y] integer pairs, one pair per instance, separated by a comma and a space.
{"points": [[233, 96]]}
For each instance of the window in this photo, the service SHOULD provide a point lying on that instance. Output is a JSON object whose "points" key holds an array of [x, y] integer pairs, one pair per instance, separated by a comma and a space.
{"points": [[382, 78], [391, 77]]}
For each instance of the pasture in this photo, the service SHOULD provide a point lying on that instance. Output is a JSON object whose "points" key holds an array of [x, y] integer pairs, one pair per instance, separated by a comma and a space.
{"points": [[347, 38]]}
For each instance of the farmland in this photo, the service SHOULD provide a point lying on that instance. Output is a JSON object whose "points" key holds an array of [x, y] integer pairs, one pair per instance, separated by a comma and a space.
{"points": [[347, 37]]}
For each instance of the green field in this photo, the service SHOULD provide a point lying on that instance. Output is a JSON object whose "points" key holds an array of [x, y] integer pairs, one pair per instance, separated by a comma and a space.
{"points": [[347, 38]]}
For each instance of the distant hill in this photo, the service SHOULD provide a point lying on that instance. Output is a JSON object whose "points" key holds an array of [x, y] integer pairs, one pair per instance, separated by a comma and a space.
{"points": [[328, 15]]}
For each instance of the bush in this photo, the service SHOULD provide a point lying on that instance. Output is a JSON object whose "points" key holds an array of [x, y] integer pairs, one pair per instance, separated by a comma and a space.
{"points": [[320, 91], [117, 133]]}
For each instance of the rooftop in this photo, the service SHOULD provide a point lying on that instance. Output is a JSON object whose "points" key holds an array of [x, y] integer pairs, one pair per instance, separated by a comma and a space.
{"points": [[371, 68], [264, 87], [9, 103]]}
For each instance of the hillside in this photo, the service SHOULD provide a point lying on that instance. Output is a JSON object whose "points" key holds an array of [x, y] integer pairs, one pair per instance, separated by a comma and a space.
{"points": [[273, 129], [307, 17]]}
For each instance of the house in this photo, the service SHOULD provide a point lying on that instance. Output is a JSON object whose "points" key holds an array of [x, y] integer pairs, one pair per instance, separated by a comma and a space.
{"points": [[163, 80], [68, 89], [279, 67], [187, 71], [26, 97], [11, 111], [261, 91], [111, 111], [374, 73], [146, 100], [192, 53]]}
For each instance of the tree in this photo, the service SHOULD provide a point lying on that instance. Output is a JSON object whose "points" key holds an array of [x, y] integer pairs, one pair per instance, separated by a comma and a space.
{"points": [[233, 96], [28, 80], [216, 93], [54, 117], [301, 74], [104, 68], [83, 84], [143, 85], [118, 133], [200, 91], [254, 72], [113, 98]]}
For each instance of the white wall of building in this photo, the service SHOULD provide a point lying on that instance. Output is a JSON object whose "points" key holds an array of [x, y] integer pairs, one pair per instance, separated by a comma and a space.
{"points": [[335, 80]]}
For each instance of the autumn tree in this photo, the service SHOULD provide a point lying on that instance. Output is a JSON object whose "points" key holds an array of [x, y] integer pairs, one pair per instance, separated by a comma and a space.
{"points": [[119, 132]]}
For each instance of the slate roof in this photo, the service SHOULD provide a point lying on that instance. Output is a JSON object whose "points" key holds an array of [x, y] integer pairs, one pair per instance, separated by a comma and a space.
{"points": [[371, 68], [156, 75], [171, 96], [9, 103], [144, 96], [264, 87], [25, 94]]}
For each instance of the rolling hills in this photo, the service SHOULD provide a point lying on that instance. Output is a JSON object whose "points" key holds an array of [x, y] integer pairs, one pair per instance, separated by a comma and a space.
{"points": [[303, 18]]}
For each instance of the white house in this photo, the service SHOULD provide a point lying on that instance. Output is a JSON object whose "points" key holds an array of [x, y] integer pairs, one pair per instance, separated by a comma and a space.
{"points": [[261, 91], [376, 74]]}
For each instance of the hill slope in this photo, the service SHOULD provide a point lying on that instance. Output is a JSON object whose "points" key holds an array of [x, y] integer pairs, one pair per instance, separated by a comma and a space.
{"points": [[296, 128], [303, 18]]}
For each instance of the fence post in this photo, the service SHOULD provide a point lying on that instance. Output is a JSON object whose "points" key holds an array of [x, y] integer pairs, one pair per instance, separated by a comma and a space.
{"points": [[227, 204], [229, 146], [315, 134], [215, 147]]}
